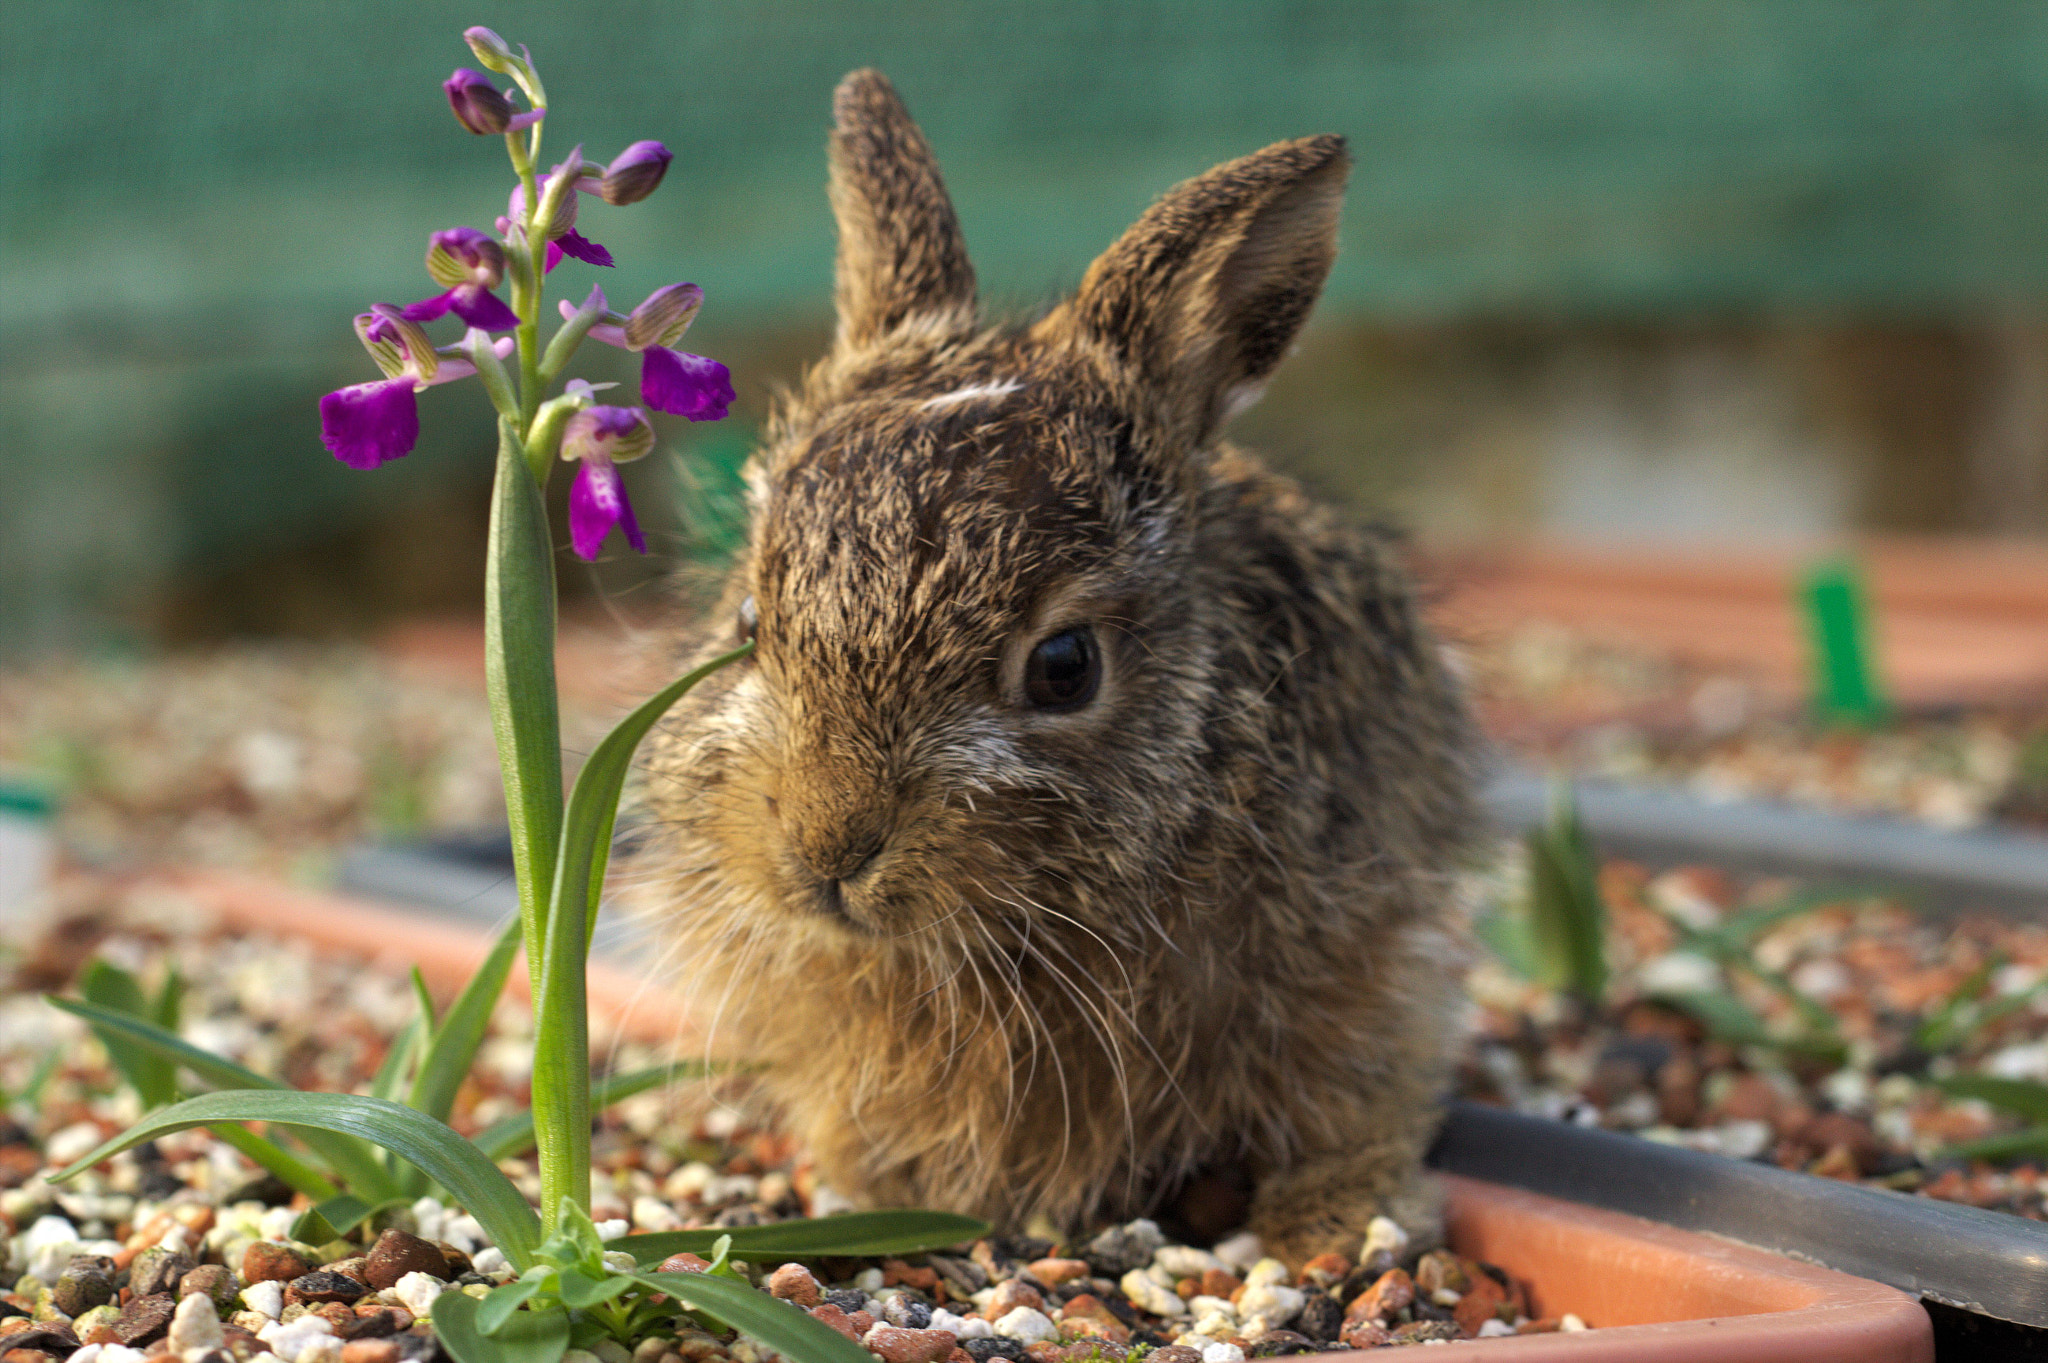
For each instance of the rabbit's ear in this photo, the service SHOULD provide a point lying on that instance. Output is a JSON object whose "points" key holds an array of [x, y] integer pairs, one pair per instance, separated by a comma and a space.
{"points": [[901, 256], [1204, 295]]}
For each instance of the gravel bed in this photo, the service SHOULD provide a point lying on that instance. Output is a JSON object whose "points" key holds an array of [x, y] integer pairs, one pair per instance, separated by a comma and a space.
{"points": [[1853, 1010], [111, 1261]]}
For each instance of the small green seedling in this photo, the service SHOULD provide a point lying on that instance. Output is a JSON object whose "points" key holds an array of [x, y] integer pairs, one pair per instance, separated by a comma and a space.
{"points": [[1845, 682]]}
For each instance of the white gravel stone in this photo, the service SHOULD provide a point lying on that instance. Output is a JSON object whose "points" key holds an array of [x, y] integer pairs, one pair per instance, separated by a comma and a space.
{"points": [[1223, 1353], [1028, 1325], [265, 1298], [276, 1224], [289, 1341], [1276, 1303], [1204, 1305], [618, 1261], [653, 1215], [1240, 1251], [326, 1349], [1266, 1271], [868, 1280], [1215, 1325], [196, 1324], [490, 1260], [614, 1229], [1185, 1261], [1147, 1295], [1384, 1233], [1494, 1328], [417, 1291], [1570, 1323], [942, 1319], [108, 1353]]}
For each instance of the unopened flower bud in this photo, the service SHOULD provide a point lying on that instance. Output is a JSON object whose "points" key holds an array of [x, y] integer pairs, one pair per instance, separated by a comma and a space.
{"points": [[400, 347], [615, 435], [490, 49], [479, 105], [463, 255], [664, 316], [635, 173]]}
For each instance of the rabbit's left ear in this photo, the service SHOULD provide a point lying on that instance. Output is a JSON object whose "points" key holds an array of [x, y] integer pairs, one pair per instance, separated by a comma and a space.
{"points": [[1204, 295], [902, 260]]}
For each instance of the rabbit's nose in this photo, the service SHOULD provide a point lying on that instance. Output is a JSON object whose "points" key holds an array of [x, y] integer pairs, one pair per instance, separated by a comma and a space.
{"points": [[831, 844]]}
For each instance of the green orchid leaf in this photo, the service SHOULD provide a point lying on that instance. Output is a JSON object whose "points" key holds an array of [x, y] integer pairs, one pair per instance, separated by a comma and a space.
{"points": [[2029, 1144], [1725, 1017], [396, 1069], [784, 1328], [355, 1161], [457, 1165], [856, 1234], [452, 1052], [501, 1302], [580, 1290], [1567, 920], [513, 1135], [525, 1337], [294, 1171], [2021, 1097], [337, 1216], [154, 1079], [1949, 1024]]}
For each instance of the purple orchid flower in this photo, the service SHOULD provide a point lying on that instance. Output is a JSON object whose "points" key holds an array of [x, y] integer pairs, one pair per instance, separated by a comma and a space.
{"points": [[602, 438], [470, 265], [563, 238], [672, 381], [634, 173], [369, 424], [482, 107]]}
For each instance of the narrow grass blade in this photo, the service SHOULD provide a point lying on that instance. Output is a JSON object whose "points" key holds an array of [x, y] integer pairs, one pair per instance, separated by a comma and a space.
{"points": [[2029, 1144], [2021, 1097], [527, 1337], [1568, 923], [354, 1160], [452, 1052], [39, 1078], [155, 1079], [561, 1042], [330, 1218], [457, 1165], [424, 999], [856, 1234], [392, 1075], [513, 1135], [270, 1155], [170, 1001], [782, 1327]]}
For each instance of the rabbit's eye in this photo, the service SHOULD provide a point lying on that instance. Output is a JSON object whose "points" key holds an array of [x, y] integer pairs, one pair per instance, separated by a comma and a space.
{"points": [[1063, 671], [749, 621]]}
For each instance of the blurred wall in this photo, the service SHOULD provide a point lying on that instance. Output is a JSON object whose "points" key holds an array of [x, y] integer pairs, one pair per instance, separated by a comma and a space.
{"points": [[1710, 268]]}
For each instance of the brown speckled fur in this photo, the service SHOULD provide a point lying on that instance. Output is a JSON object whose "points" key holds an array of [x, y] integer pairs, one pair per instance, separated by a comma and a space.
{"points": [[1024, 964]]}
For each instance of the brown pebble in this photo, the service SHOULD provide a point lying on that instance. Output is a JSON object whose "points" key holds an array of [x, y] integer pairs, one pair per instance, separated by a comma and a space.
{"points": [[832, 1316], [323, 1286], [685, 1262], [1363, 1334], [376, 1322], [216, 1281], [369, 1351], [396, 1254], [1549, 1325], [1481, 1303], [899, 1345], [1423, 1331], [896, 1273], [458, 1259], [1174, 1353], [1325, 1270], [26, 1355], [144, 1320], [794, 1282], [959, 1355], [1394, 1290], [266, 1261], [158, 1270], [1053, 1272], [1011, 1295], [1045, 1351], [1220, 1282], [50, 1335]]}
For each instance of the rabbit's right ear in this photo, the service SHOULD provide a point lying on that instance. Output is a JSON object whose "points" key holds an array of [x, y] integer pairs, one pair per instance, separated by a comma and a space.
{"points": [[902, 259], [1204, 294]]}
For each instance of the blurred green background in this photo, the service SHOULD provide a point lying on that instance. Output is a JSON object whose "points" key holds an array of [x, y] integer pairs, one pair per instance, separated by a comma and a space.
{"points": [[1703, 270]]}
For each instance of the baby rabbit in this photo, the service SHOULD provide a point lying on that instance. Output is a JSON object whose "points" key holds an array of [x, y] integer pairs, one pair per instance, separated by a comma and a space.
{"points": [[1077, 840]]}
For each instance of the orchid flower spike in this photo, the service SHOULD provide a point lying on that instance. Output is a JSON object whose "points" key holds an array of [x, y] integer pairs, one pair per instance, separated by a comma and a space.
{"points": [[563, 238], [469, 265], [600, 439], [635, 173], [482, 107], [671, 380], [369, 424]]}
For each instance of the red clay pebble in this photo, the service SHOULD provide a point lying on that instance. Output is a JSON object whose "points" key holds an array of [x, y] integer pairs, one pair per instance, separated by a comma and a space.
{"points": [[896, 1273], [898, 1345], [685, 1262], [369, 1351], [793, 1282], [1174, 1353], [216, 1281], [1364, 1334], [396, 1254], [1053, 1272], [1325, 1270], [157, 1270], [1220, 1282], [959, 1355], [1481, 1303], [1394, 1290], [832, 1316], [266, 1261], [320, 1286], [1011, 1295]]}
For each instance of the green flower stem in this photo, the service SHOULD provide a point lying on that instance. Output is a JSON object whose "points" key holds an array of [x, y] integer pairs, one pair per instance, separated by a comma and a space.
{"points": [[519, 666]]}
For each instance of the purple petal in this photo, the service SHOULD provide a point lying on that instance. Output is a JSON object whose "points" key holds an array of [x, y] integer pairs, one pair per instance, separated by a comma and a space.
{"points": [[480, 307], [427, 309], [519, 123], [370, 423], [554, 257], [682, 384], [597, 502], [610, 335], [584, 249]]}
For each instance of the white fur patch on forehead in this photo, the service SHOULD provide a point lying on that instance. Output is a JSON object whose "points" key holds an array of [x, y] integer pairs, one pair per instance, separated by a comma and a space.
{"points": [[973, 392]]}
